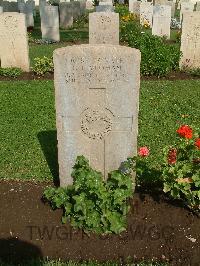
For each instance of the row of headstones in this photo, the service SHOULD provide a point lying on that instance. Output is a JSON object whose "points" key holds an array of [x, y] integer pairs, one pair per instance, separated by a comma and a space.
{"points": [[97, 88], [97, 94], [158, 17], [52, 17], [103, 28]]}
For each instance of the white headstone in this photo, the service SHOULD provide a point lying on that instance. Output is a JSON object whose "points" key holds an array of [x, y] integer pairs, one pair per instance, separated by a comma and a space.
{"points": [[89, 5], [186, 7], [161, 20], [136, 8], [76, 9], [66, 14], [198, 6], [1, 9], [103, 28], [29, 14], [131, 5], [190, 40], [146, 13], [50, 23], [97, 99], [14, 50]]}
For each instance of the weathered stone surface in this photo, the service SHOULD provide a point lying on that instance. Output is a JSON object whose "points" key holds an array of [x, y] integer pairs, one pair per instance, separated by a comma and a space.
{"points": [[161, 20], [198, 6], [105, 8], [136, 8], [13, 41], [180, 2], [186, 7], [21, 7], [50, 23], [66, 14], [146, 13], [89, 5], [42, 4], [160, 2], [5, 5], [29, 14], [13, 7], [97, 96], [190, 40], [82, 7], [104, 28], [131, 5], [76, 9]]}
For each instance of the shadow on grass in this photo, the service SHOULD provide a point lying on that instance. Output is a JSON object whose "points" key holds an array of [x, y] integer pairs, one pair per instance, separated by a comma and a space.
{"points": [[14, 251], [48, 142]]}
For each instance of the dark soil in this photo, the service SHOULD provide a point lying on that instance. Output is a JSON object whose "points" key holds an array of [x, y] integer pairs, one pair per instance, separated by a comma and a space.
{"points": [[49, 76], [157, 229]]}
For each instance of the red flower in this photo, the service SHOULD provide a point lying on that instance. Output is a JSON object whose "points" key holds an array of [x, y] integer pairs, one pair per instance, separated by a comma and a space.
{"points": [[172, 156], [185, 131], [143, 152], [197, 143]]}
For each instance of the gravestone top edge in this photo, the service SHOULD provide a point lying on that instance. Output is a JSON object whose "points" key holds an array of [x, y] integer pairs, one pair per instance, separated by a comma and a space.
{"points": [[60, 51]]}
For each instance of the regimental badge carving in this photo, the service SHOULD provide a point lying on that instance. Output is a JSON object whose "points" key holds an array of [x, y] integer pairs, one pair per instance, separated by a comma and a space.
{"points": [[96, 124], [11, 23]]}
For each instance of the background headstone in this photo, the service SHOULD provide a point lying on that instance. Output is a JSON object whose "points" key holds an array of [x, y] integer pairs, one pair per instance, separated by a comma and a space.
{"points": [[97, 98], [186, 7], [190, 40], [5, 5], [146, 13], [136, 8], [76, 9], [50, 23], [104, 28], [161, 20], [1, 9], [13, 7], [105, 8], [66, 14], [89, 5], [13, 41], [131, 5], [29, 14]]}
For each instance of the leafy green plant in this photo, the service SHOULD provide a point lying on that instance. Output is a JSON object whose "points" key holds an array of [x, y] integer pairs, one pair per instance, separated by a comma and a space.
{"points": [[43, 65], [92, 203], [12, 72], [157, 57], [122, 10], [81, 21], [181, 170]]}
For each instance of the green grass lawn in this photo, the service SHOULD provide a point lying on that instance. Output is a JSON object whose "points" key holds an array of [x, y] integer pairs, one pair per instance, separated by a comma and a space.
{"points": [[28, 131]]}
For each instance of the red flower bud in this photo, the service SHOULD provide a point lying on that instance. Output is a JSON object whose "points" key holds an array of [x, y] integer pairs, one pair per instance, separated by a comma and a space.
{"points": [[185, 131], [172, 154], [197, 143]]}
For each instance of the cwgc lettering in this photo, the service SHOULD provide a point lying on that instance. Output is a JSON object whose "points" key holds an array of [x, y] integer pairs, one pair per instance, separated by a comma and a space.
{"points": [[97, 90], [104, 28]]}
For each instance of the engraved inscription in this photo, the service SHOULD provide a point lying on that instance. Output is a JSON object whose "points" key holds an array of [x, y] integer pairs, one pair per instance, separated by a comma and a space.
{"points": [[11, 23], [96, 124], [107, 70]]}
